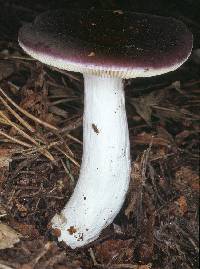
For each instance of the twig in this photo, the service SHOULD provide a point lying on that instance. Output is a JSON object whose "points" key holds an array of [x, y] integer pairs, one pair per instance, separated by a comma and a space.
{"points": [[74, 139], [122, 266], [144, 160], [93, 257], [15, 140], [188, 114], [72, 126], [68, 173], [54, 259], [18, 58], [3, 266], [68, 157], [28, 137], [22, 121], [41, 254], [48, 125]]}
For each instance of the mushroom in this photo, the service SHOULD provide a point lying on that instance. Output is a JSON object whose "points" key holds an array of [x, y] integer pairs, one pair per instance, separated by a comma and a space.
{"points": [[106, 47]]}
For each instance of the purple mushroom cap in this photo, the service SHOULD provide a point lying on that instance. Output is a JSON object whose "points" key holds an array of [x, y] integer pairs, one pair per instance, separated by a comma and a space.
{"points": [[94, 40]]}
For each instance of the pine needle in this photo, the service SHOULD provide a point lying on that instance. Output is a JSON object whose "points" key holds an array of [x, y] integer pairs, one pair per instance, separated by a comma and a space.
{"points": [[27, 114]]}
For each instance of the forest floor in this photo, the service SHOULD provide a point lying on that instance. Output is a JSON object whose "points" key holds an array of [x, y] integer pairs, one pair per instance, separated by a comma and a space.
{"points": [[40, 155]]}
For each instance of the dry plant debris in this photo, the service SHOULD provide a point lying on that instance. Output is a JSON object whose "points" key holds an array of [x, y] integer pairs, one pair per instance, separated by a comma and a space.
{"points": [[8, 236], [40, 153]]}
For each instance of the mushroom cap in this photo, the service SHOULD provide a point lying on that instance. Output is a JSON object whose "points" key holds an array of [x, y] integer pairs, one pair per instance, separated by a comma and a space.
{"points": [[107, 43]]}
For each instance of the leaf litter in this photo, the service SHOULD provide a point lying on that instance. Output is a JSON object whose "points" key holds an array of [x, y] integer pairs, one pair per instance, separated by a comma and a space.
{"points": [[40, 153]]}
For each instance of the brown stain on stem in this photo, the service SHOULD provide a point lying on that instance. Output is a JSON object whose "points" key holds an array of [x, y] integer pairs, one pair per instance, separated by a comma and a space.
{"points": [[72, 230], [94, 127]]}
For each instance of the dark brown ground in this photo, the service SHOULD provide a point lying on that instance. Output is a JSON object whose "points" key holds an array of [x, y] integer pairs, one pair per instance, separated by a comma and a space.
{"points": [[158, 225]]}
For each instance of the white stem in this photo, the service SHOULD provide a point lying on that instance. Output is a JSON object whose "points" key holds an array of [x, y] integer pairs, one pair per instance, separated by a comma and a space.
{"points": [[105, 170]]}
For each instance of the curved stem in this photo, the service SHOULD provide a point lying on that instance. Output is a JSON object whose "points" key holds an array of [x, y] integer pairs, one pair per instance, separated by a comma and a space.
{"points": [[105, 169]]}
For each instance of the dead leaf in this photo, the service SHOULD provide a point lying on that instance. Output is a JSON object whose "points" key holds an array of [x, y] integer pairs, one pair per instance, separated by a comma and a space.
{"points": [[114, 249], [146, 266], [165, 135], [186, 176], [182, 136], [146, 139], [182, 204], [5, 157], [143, 106], [3, 211], [6, 69], [25, 229], [8, 236], [26, 266], [58, 111], [30, 99]]}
